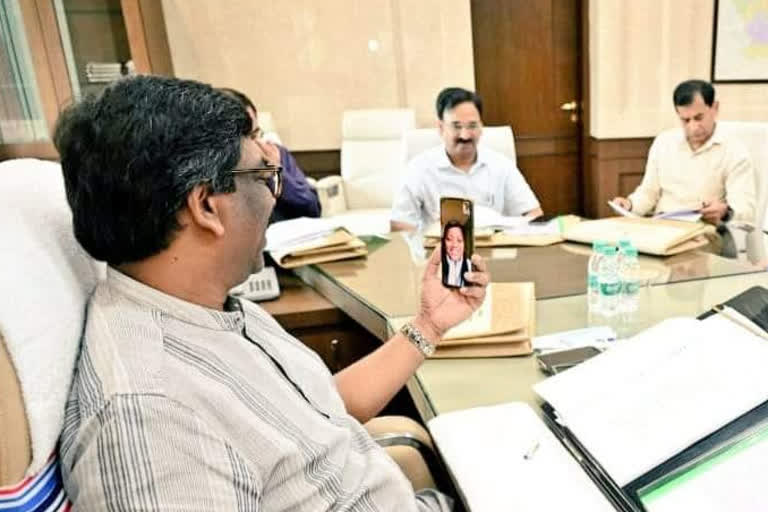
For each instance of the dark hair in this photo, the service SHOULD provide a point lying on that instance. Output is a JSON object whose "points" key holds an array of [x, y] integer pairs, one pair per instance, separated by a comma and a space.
{"points": [[686, 92], [131, 156], [452, 96], [244, 100]]}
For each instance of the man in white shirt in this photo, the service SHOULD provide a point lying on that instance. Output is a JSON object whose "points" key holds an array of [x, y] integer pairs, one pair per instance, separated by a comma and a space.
{"points": [[460, 167], [698, 167]]}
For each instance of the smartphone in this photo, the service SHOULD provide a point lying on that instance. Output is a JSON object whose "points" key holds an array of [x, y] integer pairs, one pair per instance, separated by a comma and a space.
{"points": [[555, 362], [543, 219], [457, 221]]}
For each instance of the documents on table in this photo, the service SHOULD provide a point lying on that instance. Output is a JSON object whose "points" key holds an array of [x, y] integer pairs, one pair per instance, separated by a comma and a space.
{"points": [[685, 214], [589, 336], [654, 395], [304, 241], [504, 458], [662, 237]]}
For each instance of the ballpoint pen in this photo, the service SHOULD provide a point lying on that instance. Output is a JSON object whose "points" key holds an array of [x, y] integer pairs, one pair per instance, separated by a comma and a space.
{"points": [[532, 450]]}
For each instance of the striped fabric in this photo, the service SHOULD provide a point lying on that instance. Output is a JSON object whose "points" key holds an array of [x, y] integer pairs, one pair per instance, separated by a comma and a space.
{"points": [[42, 492], [178, 407]]}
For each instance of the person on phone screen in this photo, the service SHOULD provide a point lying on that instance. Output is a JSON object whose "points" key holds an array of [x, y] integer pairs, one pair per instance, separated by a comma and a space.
{"points": [[455, 265]]}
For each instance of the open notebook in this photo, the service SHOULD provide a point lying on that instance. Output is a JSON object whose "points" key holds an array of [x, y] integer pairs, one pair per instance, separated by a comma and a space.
{"points": [[668, 402]]}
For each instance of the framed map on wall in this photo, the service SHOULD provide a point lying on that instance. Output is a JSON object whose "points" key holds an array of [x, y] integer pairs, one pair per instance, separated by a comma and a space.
{"points": [[740, 41]]}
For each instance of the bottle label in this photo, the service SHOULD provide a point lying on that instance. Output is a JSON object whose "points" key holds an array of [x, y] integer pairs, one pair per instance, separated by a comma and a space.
{"points": [[610, 288], [631, 288], [592, 281]]}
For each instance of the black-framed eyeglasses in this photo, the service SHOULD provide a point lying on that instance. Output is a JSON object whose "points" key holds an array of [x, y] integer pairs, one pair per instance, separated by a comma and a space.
{"points": [[269, 175]]}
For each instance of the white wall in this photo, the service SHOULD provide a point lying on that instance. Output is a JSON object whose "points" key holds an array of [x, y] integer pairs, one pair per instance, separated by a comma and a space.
{"points": [[640, 50], [306, 61]]}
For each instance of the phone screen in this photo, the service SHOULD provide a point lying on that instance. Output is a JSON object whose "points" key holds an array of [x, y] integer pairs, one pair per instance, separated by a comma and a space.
{"points": [[554, 362], [457, 242]]}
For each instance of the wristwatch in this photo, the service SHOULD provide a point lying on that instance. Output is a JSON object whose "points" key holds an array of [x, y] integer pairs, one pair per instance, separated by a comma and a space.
{"points": [[414, 336]]}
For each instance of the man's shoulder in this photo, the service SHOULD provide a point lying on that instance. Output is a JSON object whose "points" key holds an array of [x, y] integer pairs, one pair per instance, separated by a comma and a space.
{"points": [[431, 157], [669, 137], [122, 344], [495, 159]]}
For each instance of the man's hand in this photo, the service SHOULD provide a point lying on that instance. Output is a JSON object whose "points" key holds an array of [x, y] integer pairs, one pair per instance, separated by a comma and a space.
{"points": [[713, 211], [441, 307], [270, 150], [623, 202]]}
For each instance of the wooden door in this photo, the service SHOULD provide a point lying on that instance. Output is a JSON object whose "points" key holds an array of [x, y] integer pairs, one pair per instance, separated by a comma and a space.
{"points": [[527, 70]]}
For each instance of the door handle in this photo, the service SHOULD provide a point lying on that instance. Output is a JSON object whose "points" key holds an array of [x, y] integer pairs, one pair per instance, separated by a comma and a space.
{"points": [[570, 106]]}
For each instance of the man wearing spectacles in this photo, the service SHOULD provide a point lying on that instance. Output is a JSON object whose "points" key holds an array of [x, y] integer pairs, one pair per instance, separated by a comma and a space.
{"points": [[460, 167], [298, 198], [185, 398]]}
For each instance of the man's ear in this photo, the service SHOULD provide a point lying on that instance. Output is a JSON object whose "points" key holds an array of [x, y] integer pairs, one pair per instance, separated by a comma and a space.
{"points": [[205, 209], [716, 106]]}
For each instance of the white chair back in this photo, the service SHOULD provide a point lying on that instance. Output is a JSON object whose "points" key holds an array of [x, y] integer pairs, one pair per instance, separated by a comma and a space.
{"points": [[267, 124], [498, 138], [46, 281], [754, 135], [373, 155]]}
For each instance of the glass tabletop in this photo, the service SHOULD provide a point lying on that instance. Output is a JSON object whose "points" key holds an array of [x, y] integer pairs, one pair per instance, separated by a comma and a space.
{"points": [[453, 384], [388, 281]]}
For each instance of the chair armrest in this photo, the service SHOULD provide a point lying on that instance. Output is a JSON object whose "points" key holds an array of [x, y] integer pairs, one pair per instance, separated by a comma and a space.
{"points": [[331, 194], [392, 430], [410, 446]]}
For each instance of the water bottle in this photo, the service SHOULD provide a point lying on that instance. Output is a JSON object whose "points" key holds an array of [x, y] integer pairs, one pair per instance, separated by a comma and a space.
{"points": [[593, 288], [609, 282], [622, 244], [630, 279]]}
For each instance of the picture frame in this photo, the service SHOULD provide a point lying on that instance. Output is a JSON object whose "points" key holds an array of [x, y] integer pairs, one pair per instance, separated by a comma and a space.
{"points": [[739, 43]]}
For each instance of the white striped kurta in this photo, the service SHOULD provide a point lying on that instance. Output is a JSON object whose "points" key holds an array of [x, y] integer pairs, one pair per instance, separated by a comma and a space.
{"points": [[178, 407]]}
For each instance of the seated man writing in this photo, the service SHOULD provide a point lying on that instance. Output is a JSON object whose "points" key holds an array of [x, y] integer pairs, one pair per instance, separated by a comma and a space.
{"points": [[460, 167], [698, 167], [185, 398]]}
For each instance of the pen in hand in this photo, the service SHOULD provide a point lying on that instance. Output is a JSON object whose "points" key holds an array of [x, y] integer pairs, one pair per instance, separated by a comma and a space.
{"points": [[532, 450]]}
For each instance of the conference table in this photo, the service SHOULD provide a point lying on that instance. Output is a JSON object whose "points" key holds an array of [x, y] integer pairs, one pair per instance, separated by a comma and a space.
{"points": [[382, 290]]}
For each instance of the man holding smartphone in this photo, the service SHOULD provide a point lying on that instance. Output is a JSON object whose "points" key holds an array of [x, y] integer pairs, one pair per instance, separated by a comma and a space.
{"points": [[460, 167], [184, 397]]}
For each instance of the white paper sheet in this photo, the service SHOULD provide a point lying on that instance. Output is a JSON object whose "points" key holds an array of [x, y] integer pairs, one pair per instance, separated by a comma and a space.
{"points": [[621, 211], [485, 447], [652, 396], [589, 336], [297, 232]]}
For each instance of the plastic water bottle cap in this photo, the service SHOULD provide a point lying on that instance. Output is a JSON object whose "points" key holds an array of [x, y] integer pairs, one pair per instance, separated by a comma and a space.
{"points": [[630, 251], [608, 250]]}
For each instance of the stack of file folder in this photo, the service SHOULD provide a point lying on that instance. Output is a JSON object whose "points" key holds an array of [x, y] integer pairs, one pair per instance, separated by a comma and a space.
{"points": [[504, 325], [659, 237], [104, 72], [306, 241], [511, 231]]}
